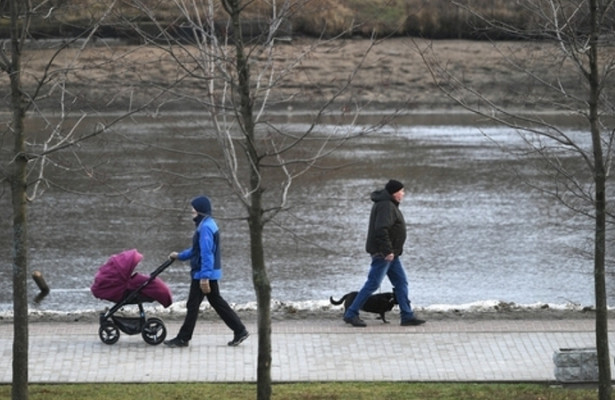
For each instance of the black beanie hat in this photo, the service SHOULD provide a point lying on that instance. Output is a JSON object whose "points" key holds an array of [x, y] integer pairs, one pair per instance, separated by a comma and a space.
{"points": [[393, 186]]}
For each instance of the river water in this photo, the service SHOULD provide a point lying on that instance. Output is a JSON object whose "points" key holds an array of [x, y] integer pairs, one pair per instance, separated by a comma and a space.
{"points": [[477, 232]]}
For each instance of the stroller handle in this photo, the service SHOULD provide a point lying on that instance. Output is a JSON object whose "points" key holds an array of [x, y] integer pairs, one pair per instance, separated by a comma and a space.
{"points": [[162, 267]]}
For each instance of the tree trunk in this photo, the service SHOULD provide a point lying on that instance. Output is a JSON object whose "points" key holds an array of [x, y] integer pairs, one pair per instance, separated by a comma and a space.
{"points": [[602, 329], [20, 264], [17, 177], [262, 286]]}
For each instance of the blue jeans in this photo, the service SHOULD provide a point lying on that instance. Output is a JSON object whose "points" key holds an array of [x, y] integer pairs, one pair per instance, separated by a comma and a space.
{"points": [[378, 270]]}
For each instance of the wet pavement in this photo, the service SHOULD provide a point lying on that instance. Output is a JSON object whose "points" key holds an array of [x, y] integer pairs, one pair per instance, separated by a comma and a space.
{"points": [[306, 350]]}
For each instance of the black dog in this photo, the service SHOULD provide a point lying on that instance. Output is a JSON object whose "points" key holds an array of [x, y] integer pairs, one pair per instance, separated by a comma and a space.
{"points": [[378, 303]]}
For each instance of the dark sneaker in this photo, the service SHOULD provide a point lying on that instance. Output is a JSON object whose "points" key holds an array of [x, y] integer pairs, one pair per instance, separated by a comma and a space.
{"points": [[177, 342], [355, 321], [413, 322], [239, 338]]}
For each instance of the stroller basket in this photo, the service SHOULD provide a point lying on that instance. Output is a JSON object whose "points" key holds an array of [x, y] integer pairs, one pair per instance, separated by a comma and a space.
{"points": [[132, 326]]}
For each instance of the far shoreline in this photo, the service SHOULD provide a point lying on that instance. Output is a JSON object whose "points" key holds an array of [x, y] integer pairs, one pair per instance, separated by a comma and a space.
{"points": [[393, 76], [390, 112]]}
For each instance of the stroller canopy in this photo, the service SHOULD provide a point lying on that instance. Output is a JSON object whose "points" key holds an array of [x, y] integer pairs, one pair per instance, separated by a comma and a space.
{"points": [[117, 278]]}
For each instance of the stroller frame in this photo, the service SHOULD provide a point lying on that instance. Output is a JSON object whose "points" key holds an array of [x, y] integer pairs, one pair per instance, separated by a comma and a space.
{"points": [[152, 330]]}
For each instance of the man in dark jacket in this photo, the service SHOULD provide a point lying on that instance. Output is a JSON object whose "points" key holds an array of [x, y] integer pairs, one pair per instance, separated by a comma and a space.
{"points": [[385, 242]]}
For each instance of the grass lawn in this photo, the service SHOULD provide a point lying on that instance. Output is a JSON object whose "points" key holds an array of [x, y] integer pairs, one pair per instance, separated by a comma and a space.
{"points": [[305, 391]]}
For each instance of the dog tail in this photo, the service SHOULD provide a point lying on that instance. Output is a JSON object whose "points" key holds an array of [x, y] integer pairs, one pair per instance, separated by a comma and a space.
{"points": [[337, 302]]}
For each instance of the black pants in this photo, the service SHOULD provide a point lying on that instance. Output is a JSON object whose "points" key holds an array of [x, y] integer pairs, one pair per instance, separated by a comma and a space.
{"points": [[195, 298]]}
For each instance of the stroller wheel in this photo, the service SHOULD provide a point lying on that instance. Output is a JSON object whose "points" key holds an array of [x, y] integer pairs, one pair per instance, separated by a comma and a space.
{"points": [[154, 332], [108, 333]]}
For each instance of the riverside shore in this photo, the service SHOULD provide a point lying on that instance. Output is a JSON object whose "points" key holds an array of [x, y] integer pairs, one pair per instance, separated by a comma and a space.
{"points": [[323, 311], [383, 75]]}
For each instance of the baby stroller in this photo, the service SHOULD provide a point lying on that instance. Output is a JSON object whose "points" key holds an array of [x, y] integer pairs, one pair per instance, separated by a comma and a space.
{"points": [[116, 281]]}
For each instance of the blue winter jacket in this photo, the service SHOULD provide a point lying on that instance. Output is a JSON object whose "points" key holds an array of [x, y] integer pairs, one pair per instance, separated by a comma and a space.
{"points": [[204, 255]]}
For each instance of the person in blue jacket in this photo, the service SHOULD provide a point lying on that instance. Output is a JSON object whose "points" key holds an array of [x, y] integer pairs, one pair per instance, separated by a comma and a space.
{"points": [[206, 271]]}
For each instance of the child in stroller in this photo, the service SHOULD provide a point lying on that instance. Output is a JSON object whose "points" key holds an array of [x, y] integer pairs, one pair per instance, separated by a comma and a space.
{"points": [[117, 281]]}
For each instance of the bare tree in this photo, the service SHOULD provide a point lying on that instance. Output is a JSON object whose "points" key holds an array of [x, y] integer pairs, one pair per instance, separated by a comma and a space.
{"points": [[38, 81], [228, 52], [576, 81]]}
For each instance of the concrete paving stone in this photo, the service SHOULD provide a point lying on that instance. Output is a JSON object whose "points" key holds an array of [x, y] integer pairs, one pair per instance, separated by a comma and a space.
{"points": [[306, 350]]}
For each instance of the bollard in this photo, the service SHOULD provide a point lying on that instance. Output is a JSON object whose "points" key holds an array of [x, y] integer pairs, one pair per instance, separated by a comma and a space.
{"points": [[576, 365], [40, 282]]}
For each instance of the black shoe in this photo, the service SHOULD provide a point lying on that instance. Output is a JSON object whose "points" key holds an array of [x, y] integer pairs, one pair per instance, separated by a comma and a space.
{"points": [[413, 322], [355, 321], [177, 342], [239, 338]]}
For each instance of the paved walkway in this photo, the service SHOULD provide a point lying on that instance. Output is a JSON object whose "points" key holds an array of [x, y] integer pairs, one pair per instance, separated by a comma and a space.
{"points": [[306, 350]]}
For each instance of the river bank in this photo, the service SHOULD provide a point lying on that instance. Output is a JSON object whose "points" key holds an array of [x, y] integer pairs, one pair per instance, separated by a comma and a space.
{"points": [[383, 75], [324, 311]]}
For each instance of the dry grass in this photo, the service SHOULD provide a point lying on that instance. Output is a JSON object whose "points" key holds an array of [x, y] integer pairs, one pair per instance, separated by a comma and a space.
{"points": [[392, 75], [427, 18]]}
